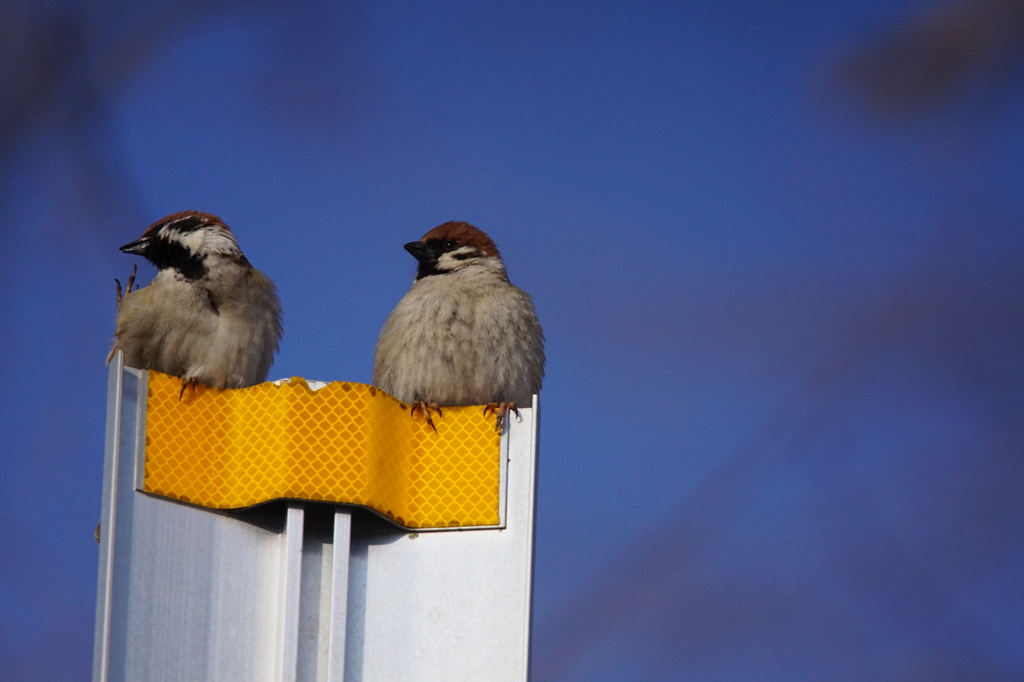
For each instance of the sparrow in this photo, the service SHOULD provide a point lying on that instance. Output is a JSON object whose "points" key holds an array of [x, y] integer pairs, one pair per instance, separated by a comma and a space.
{"points": [[208, 316], [463, 334]]}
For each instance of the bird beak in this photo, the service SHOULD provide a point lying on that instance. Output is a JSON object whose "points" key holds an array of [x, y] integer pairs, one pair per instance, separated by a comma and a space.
{"points": [[421, 252], [137, 247]]}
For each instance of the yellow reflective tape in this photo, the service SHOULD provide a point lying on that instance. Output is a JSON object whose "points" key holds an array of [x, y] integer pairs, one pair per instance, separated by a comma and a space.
{"points": [[346, 443]]}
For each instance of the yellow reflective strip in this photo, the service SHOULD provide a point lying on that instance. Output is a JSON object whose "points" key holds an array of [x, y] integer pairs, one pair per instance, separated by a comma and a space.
{"points": [[346, 443]]}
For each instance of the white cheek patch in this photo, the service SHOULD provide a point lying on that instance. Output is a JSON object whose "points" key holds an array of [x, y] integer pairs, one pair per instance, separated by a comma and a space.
{"points": [[193, 241], [205, 240], [221, 242], [453, 260]]}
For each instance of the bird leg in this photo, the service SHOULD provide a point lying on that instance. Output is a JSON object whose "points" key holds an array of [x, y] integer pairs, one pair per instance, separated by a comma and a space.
{"points": [[131, 281], [500, 410], [120, 299], [424, 408], [190, 383]]}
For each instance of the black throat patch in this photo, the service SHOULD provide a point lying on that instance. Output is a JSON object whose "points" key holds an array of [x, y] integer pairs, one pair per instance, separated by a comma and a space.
{"points": [[428, 269], [164, 253]]}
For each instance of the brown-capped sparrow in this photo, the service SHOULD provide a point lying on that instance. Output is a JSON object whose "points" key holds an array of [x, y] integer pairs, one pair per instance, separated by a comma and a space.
{"points": [[208, 316], [463, 334]]}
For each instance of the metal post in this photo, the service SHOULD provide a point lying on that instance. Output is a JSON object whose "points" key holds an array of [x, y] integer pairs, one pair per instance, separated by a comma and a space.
{"points": [[339, 595], [304, 592]]}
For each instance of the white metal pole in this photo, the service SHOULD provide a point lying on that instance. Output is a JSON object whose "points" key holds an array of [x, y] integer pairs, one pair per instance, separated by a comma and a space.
{"points": [[339, 595], [290, 591]]}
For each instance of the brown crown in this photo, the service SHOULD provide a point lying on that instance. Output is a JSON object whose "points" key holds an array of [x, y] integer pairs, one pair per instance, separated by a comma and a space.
{"points": [[464, 233], [198, 219]]}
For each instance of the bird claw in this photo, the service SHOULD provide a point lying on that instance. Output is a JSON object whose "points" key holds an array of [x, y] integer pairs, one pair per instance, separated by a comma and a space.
{"points": [[500, 411], [128, 289], [424, 408], [190, 383]]}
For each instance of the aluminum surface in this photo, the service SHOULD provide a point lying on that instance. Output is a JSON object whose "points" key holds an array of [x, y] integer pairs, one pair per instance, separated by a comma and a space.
{"points": [[338, 597], [463, 597]]}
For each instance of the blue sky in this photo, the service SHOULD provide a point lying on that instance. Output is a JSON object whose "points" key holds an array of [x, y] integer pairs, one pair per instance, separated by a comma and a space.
{"points": [[780, 433]]}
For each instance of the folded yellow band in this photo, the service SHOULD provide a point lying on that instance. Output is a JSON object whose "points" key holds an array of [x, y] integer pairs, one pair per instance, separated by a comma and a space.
{"points": [[346, 443]]}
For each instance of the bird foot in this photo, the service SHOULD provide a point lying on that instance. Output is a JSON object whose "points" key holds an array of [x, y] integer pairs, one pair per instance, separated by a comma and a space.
{"points": [[424, 408], [190, 383], [500, 411], [131, 281]]}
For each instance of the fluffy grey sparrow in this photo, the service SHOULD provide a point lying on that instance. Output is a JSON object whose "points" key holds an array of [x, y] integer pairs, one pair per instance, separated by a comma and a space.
{"points": [[463, 334], [208, 316]]}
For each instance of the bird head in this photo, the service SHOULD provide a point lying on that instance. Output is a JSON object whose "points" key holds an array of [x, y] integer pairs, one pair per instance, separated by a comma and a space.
{"points": [[451, 247], [186, 241]]}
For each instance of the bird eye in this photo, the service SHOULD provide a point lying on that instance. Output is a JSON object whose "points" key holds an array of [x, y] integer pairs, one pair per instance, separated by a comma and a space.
{"points": [[451, 244]]}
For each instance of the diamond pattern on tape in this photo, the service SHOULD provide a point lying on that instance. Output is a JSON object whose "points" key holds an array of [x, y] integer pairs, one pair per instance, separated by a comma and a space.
{"points": [[347, 443]]}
